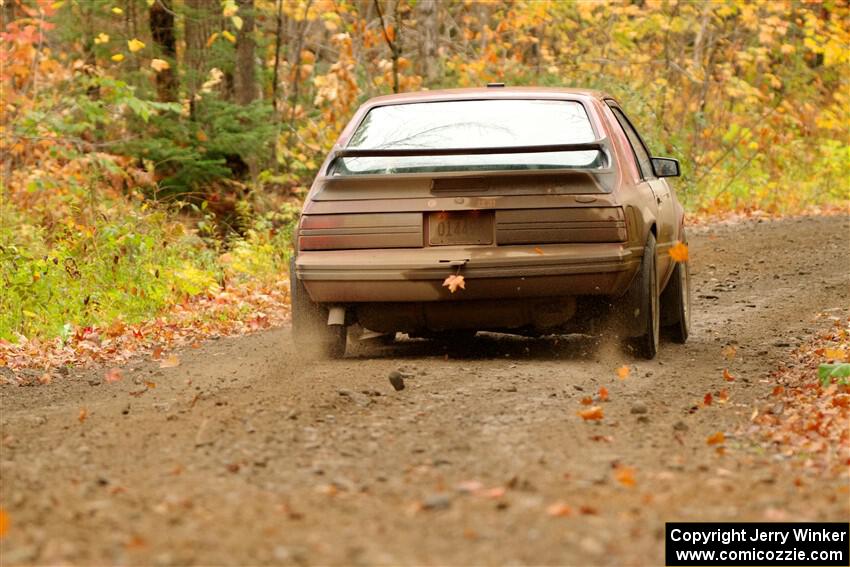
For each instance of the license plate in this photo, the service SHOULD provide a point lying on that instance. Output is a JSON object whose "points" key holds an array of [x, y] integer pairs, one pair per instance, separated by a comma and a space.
{"points": [[468, 227]]}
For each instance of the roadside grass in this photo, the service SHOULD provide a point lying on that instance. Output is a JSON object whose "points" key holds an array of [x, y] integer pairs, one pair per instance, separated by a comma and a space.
{"points": [[73, 265]]}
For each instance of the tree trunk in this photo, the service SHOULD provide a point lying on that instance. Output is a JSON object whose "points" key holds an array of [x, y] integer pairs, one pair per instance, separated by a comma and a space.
{"points": [[199, 16], [246, 73], [162, 32], [392, 43], [430, 28]]}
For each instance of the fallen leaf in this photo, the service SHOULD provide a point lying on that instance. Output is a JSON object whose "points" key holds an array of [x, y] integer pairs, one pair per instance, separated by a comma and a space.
{"points": [[679, 252], [730, 351], [157, 353], [602, 438], [716, 438], [4, 522], [101, 38], [495, 492], [706, 400], [228, 36], [84, 413], [587, 510], [835, 353], [591, 414], [45, 379], [116, 329], [113, 375], [603, 393], [117, 11], [559, 510], [136, 542], [453, 282], [159, 65], [170, 362], [623, 372], [728, 377], [118, 57], [723, 395], [625, 476], [469, 486], [778, 391], [586, 401], [150, 385]]}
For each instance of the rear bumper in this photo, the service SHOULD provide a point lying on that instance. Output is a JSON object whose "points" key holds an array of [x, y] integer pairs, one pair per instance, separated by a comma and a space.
{"points": [[491, 272]]}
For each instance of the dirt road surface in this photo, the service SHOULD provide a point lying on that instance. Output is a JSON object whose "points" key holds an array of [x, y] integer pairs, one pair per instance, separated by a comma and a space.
{"points": [[248, 453]]}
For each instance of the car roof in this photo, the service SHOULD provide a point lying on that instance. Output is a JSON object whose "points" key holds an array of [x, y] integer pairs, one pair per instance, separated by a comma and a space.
{"points": [[488, 93]]}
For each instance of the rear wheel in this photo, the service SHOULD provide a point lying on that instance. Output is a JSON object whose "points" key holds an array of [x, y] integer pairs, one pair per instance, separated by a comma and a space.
{"points": [[676, 304], [639, 309], [310, 329]]}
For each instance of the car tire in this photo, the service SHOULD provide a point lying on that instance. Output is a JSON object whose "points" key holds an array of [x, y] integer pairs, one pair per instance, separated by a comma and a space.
{"points": [[310, 330], [640, 313], [676, 304]]}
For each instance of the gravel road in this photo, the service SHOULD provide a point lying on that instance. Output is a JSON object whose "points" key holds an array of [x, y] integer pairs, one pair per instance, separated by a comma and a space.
{"points": [[249, 453]]}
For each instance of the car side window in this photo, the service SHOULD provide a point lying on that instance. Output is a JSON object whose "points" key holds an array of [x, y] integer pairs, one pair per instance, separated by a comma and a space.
{"points": [[642, 156]]}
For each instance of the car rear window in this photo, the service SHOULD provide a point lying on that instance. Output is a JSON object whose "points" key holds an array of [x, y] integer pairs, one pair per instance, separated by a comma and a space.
{"points": [[472, 124]]}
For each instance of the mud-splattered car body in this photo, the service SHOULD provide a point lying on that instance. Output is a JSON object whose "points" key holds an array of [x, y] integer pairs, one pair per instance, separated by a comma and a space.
{"points": [[544, 200]]}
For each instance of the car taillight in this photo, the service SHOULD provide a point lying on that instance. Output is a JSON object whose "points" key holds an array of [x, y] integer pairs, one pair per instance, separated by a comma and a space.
{"points": [[358, 231], [562, 225]]}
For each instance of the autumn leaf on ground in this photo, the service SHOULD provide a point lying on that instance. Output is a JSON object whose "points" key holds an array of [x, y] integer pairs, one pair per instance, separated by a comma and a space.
{"points": [[117, 11], [835, 353], [625, 476], [157, 353], [559, 510], [728, 377], [228, 36], [45, 379], [591, 414], [586, 401], [453, 282], [4, 522], [84, 413], [495, 492], [707, 399], [135, 45], [469, 486], [679, 252], [113, 375], [101, 38], [159, 65], [603, 393], [118, 57], [723, 395], [716, 438], [729, 352], [170, 362], [623, 372]]}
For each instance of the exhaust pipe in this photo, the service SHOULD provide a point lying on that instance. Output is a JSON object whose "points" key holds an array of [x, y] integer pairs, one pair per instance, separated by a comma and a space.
{"points": [[336, 315]]}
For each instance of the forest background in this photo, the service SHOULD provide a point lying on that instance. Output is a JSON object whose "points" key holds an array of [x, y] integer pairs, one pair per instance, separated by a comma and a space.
{"points": [[155, 152]]}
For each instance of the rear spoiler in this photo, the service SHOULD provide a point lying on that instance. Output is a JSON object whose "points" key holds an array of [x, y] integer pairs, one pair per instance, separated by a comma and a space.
{"points": [[599, 145]]}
